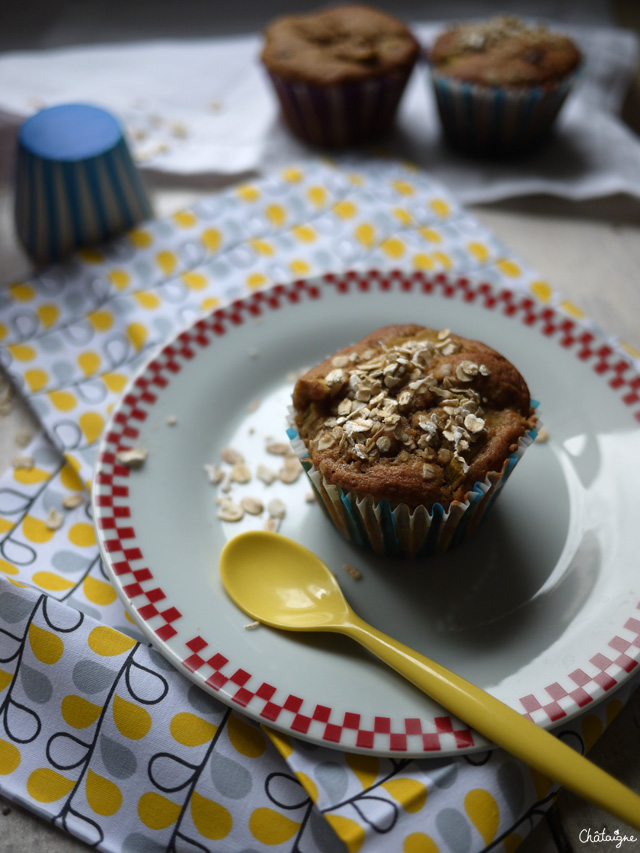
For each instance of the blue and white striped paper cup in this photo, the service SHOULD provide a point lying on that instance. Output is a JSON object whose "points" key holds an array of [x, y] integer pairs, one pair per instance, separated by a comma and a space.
{"points": [[76, 183], [496, 121], [398, 530]]}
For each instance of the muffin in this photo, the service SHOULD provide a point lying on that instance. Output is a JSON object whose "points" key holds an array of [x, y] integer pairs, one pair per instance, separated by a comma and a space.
{"points": [[339, 73], [499, 84], [409, 435]]}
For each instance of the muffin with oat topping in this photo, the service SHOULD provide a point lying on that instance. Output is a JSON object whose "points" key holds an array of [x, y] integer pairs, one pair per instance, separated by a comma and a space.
{"points": [[409, 435], [500, 83], [339, 73]]}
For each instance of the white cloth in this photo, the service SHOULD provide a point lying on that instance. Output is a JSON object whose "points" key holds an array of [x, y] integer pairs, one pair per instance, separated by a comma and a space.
{"points": [[205, 107]]}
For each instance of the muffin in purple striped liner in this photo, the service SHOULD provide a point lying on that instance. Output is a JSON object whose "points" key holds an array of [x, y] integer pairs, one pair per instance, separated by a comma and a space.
{"points": [[500, 84], [409, 436], [339, 74]]}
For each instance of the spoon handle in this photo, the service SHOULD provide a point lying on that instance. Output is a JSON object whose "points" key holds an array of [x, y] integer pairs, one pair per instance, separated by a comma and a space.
{"points": [[500, 724]]}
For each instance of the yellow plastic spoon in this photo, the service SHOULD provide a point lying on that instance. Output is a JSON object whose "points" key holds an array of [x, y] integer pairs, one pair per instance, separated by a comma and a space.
{"points": [[282, 584]]}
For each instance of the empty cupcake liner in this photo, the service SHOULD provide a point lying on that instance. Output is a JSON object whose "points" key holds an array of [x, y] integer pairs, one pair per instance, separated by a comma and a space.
{"points": [[76, 182], [493, 120], [340, 115], [397, 529]]}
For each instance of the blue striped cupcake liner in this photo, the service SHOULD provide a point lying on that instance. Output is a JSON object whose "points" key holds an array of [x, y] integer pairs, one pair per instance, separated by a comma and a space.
{"points": [[65, 200], [399, 530], [496, 121]]}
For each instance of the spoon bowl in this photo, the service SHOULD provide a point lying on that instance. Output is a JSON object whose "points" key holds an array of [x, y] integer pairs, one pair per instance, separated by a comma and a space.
{"points": [[282, 584]]}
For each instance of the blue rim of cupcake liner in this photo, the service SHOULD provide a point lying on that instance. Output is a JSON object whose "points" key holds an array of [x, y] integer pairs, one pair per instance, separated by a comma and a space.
{"points": [[439, 536]]}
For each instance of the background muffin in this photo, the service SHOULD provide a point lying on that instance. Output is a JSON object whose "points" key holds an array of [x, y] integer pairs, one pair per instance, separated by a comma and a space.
{"points": [[409, 435], [339, 73], [500, 83]]}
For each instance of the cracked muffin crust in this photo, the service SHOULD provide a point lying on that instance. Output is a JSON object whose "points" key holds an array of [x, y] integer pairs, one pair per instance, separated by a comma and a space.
{"points": [[338, 44], [412, 415], [504, 51], [340, 73]]}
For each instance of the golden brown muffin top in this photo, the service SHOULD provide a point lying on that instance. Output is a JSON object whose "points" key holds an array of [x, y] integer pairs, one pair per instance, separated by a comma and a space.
{"points": [[412, 415], [504, 51], [338, 44]]}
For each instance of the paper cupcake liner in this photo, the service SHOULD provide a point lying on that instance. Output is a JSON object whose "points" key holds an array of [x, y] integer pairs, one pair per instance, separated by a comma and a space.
{"points": [[493, 120], [63, 200], [340, 115], [400, 530]]}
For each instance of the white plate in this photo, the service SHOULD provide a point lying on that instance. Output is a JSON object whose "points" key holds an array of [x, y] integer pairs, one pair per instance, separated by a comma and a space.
{"points": [[540, 607]]}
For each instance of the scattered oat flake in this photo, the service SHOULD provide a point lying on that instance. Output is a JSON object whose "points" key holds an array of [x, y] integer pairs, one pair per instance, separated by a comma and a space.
{"points": [[240, 473], [179, 130], [310, 497], [148, 154], [543, 435], [72, 501], [352, 572], [172, 420], [23, 462], [23, 437], [231, 455], [54, 519], [266, 475], [253, 405], [251, 626], [278, 448], [272, 524], [132, 458], [253, 506], [290, 471], [214, 473], [230, 511], [276, 508]]}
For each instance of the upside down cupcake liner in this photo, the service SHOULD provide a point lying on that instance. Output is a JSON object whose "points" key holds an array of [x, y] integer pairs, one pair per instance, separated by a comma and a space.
{"points": [[399, 530]]}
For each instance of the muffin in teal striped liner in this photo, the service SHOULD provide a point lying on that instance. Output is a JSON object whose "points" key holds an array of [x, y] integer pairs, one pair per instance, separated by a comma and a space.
{"points": [[499, 84], [76, 183], [399, 530], [409, 435], [492, 121]]}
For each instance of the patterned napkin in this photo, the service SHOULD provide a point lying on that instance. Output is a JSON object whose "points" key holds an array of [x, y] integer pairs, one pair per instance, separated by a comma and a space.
{"points": [[97, 732]]}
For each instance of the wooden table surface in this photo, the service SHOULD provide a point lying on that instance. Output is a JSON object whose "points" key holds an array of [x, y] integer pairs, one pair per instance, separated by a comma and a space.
{"points": [[588, 251]]}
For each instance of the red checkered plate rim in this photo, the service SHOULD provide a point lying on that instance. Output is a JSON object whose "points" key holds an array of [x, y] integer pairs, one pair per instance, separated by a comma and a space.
{"points": [[540, 607]]}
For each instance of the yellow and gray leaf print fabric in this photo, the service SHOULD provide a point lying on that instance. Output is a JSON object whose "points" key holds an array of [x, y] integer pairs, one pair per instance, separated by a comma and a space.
{"points": [[98, 734]]}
